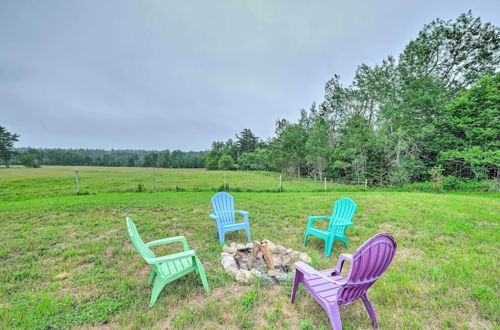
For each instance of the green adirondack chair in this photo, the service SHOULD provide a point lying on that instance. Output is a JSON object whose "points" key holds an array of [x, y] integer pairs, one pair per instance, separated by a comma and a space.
{"points": [[167, 268]]}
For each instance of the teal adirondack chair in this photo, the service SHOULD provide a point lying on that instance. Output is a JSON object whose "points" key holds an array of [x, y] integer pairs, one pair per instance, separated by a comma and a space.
{"points": [[167, 268], [341, 218]]}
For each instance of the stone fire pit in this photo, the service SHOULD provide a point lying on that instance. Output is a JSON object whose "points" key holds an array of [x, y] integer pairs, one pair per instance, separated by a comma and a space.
{"points": [[269, 262]]}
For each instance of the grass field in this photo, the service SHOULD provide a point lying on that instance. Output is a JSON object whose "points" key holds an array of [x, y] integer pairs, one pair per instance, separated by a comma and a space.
{"points": [[49, 181], [66, 261]]}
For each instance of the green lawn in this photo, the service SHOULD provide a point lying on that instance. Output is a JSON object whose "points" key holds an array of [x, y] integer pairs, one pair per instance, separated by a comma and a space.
{"points": [[66, 261]]}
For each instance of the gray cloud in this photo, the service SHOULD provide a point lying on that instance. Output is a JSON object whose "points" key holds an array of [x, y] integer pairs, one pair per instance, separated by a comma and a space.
{"points": [[168, 74]]}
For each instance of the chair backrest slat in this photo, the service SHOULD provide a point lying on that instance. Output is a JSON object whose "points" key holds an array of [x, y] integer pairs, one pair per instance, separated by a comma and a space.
{"points": [[137, 241], [343, 211], [223, 205], [369, 262]]}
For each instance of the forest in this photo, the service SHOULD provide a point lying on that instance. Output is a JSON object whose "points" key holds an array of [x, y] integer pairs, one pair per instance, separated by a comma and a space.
{"points": [[31, 157], [432, 113]]}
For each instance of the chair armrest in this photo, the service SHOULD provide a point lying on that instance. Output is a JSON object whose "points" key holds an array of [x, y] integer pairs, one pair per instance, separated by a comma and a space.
{"points": [[304, 268], [171, 257], [170, 240], [245, 215], [319, 218], [311, 220], [308, 270], [343, 257], [242, 212]]}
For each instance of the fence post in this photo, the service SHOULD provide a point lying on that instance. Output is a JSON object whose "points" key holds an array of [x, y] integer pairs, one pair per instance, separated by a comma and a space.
{"points": [[154, 179], [225, 180], [366, 183], [281, 185], [76, 180], [325, 184]]}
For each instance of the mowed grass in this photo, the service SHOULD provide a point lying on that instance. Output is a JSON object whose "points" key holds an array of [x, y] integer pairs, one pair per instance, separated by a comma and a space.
{"points": [[67, 261], [17, 183]]}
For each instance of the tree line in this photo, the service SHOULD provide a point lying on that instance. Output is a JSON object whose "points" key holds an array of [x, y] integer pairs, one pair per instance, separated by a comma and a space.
{"points": [[31, 157], [432, 112]]}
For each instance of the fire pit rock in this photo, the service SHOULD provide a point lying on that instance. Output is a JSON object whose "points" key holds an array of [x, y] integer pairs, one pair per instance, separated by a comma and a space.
{"points": [[269, 262]]}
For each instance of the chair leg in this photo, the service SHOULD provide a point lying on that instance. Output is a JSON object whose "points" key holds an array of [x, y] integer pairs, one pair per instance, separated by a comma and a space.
{"points": [[305, 239], [152, 277], [203, 276], [370, 310], [345, 242], [248, 235], [157, 287], [221, 237], [329, 246], [334, 316], [296, 281]]}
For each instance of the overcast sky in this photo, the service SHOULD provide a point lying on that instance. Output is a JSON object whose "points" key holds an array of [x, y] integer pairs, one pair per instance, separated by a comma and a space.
{"points": [[181, 74]]}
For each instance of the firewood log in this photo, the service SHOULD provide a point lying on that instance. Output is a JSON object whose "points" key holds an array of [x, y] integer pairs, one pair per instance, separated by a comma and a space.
{"points": [[268, 258], [253, 256]]}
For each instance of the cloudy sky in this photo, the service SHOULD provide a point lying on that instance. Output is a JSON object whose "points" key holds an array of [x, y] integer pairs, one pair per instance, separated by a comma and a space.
{"points": [[179, 74]]}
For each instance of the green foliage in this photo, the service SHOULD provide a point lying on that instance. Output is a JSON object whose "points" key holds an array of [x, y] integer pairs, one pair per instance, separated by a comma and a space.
{"points": [[455, 53], [116, 158], [225, 163], [402, 117], [356, 156], [212, 160], [227, 152], [471, 137], [259, 160], [246, 141], [247, 161], [7, 141], [436, 174], [289, 149], [318, 147], [29, 160]]}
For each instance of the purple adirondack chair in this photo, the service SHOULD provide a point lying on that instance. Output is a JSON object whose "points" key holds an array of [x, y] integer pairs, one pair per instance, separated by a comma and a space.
{"points": [[330, 289]]}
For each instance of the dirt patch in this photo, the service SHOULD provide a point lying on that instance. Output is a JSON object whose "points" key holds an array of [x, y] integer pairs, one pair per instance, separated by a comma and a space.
{"points": [[106, 235], [394, 230], [476, 322], [409, 254]]}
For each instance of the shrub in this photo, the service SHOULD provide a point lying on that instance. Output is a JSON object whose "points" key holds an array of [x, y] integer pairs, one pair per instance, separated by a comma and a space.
{"points": [[29, 160], [225, 162], [491, 185], [437, 176], [452, 183]]}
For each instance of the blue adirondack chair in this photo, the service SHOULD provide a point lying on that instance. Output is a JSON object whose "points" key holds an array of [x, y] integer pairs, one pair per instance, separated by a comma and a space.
{"points": [[341, 218], [224, 216]]}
